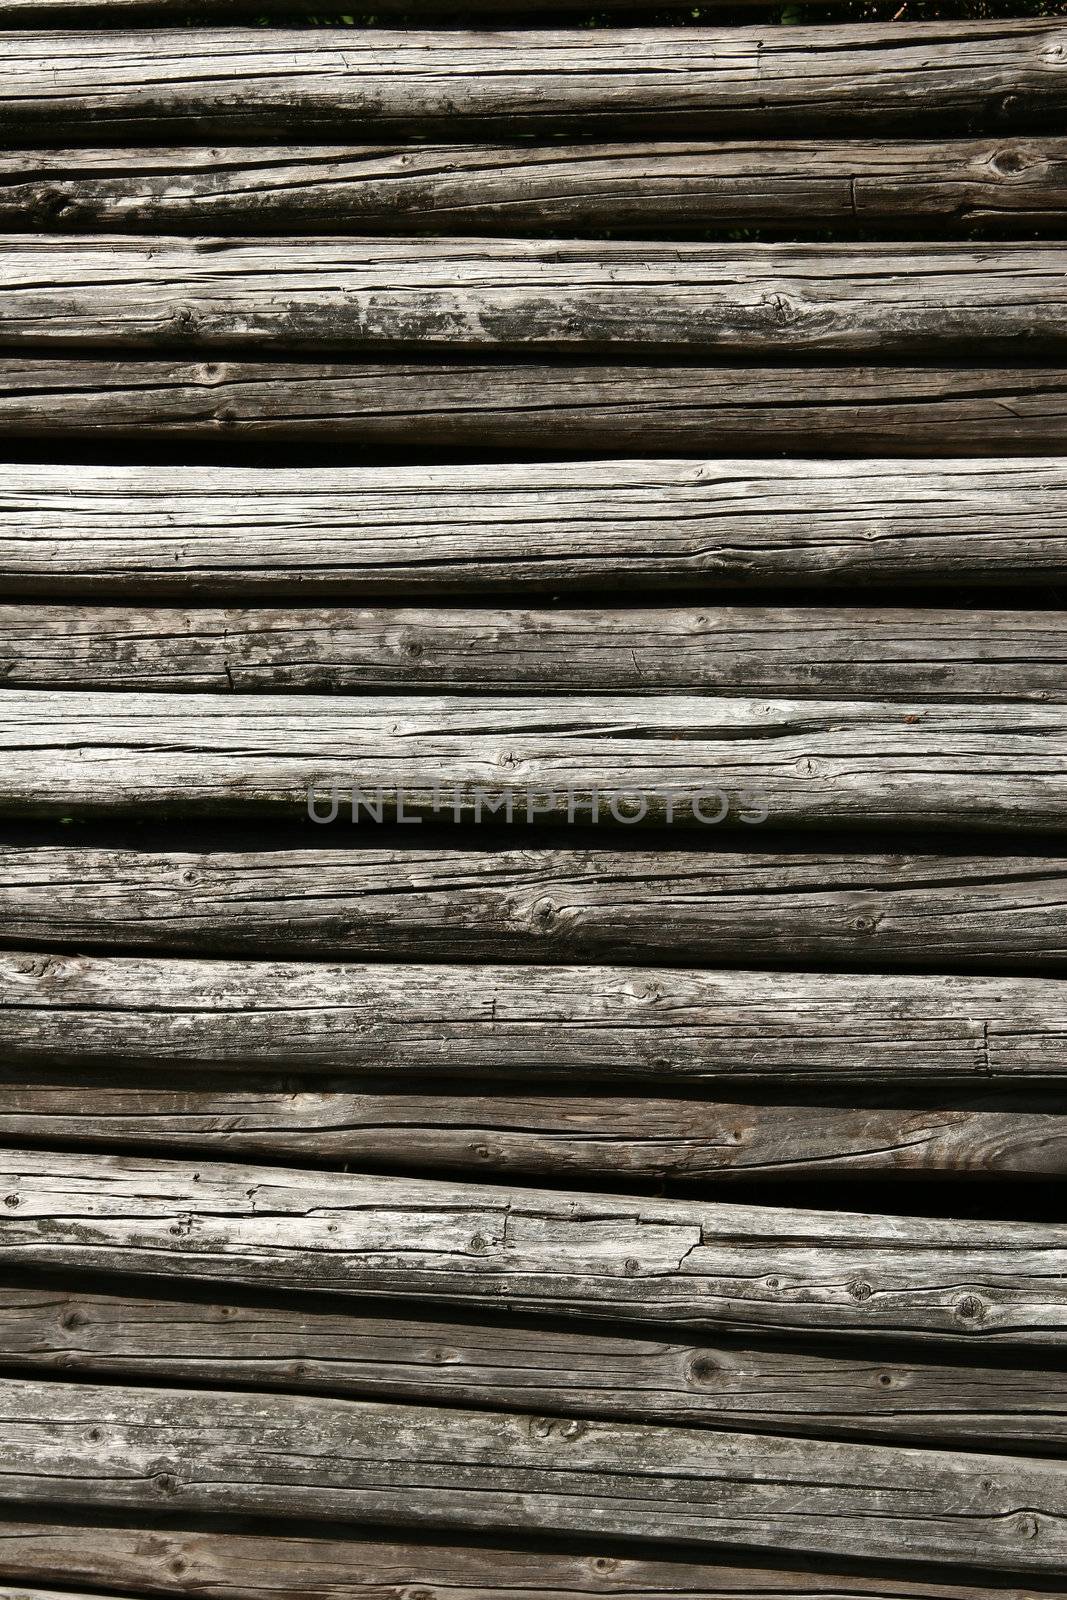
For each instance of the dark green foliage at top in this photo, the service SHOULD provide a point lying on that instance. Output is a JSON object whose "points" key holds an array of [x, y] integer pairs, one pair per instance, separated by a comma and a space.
{"points": [[789, 14]]}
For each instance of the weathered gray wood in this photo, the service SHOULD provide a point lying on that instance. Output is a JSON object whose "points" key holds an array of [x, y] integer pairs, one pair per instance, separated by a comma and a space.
{"points": [[581, 1137], [880, 410], [343, 296], [105, 13], [528, 1022], [507, 1367], [165, 85], [365, 1462], [657, 759], [888, 654], [684, 1263], [22, 1593], [939, 911], [267, 1565], [204, 532], [510, 188]]}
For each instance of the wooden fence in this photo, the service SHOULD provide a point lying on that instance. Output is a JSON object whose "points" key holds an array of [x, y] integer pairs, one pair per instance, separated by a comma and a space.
{"points": [[533, 774]]}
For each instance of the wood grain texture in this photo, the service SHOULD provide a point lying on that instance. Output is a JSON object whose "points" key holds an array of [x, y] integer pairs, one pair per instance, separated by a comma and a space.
{"points": [[412, 1466], [933, 911], [134, 532], [483, 1247], [504, 1366], [167, 85], [885, 653], [578, 1137], [1005, 183], [603, 1023], [158, 1558], [656, 759], [342, 297], [911, 411], [106, 13]]}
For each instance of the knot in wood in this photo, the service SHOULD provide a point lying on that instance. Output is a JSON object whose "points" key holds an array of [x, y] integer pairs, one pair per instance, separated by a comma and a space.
{"points": [[1008, 162], [50, 205], [860, 1290], [703, 1370], [970, 1308], [784, 312], [544, 916], [565, 1428]]}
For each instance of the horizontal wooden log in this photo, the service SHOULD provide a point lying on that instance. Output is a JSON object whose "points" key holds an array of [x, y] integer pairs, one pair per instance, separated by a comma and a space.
{"points": [[23, 1593], [365, 1462], [655, 759], [473, 189], [525, 408], [159, 1558], [683, 1263], [197, 533], [526, 1023], [106, 13], [246, 83], [341, 297], [929, 911], [507, 1367], [580, 1137], [888, 654]]}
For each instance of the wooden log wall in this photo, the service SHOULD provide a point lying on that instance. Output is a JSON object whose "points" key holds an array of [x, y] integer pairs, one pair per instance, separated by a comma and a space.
{"points": [[533, 803]]}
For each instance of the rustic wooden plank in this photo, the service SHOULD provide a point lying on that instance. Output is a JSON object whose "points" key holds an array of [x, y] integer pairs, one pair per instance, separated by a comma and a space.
{"points": [[158, 1558], [162, 85], [504, 1366], [528, 1023], [682, 1263], [388, 898], [365, 1462], [884, 653], [131, 532], [535, 1135], [880, 410], [656, 759], [475, 189], [342, 296], [106, 13], [24, 1593]]}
